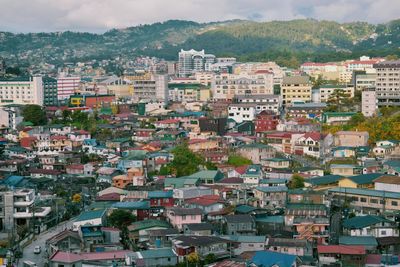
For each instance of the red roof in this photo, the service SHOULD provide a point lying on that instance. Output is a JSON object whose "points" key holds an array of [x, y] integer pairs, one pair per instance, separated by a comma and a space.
{"points": [[280, 135], [205, 200], [263, 71], [232, 180], [107, 255], [76, 166], [169, 121], [241, 169], [313, 135], [44, 171], [109, 197], [341, 249], [66, 257], [82, 132], [161, 161]]}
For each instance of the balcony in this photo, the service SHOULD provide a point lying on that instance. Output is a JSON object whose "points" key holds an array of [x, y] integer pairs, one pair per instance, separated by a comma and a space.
{"points": [[39, 212]]}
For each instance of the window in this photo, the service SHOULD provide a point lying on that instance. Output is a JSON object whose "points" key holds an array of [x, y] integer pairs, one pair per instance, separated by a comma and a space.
{"points": [[394, 203], [183, 217], [363, 199], [373, 201]]}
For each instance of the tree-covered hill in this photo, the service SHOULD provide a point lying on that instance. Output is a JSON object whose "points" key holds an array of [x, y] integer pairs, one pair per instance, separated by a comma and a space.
{"points": [[286, 40]]}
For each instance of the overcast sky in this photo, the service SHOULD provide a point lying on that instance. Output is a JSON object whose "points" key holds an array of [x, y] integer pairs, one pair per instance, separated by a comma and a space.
{"points": [[101, 15]]}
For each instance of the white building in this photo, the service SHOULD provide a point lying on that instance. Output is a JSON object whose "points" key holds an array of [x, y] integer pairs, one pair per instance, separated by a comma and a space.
{"points": [[262, 102], [193, 61], [22, 92], [226, 86], [67, 86], [327, 90], [368, 102], [242, 112]]}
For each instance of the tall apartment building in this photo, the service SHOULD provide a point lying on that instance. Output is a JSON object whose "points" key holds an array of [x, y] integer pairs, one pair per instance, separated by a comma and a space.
{"points": [[388, 83], [18, 209], [296, 88], [153, 87], [67, 86], [193, 61], [22, 91], [227, 86], [50, 92], [368, 102]]}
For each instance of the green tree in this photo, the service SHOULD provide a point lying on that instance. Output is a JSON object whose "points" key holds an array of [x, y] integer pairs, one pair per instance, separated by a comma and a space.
{"points": [[237, 160], [356, 119], [121, 218], [210, 258], [185, 161], [34, 114], [297, 181]]}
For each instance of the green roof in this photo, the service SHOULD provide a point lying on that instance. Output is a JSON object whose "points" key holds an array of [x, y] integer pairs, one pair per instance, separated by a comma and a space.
{"points": [[323, 180], [303, 206], [157, 253], [146, 224], [246, 238], [358, 241], [365, 192], [90, 215], [359, 222], [271, 219], [245, 209], [271, 189], [364, 178], [277, 159]]}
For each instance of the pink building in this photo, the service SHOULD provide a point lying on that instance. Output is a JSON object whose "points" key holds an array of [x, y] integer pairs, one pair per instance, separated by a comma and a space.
{"points": [[180, 216], [67, 86]]}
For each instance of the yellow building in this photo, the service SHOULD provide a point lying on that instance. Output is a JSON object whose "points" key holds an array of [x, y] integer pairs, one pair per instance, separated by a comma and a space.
{"points": [[360, 181], [296, 88], [121, 90]]}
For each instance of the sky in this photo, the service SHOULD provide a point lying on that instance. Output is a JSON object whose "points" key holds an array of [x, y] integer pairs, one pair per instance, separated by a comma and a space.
{"points": [[102, 15]]}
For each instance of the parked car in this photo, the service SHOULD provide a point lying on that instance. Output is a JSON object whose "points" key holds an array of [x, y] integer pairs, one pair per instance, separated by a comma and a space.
{"points": [[37, 250]]}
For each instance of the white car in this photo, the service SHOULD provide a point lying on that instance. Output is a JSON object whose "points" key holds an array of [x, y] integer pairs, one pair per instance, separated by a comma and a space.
{"points": [[37, 250]]}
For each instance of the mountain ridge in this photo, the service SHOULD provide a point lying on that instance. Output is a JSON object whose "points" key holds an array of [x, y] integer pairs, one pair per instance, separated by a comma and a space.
{"points": [[302, 38]]}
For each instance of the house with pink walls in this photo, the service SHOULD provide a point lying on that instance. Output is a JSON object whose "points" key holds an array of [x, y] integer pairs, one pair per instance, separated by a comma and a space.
{"points": [[180, 216]]}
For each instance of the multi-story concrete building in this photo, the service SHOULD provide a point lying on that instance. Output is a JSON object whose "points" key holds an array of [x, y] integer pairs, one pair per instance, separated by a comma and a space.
{"points": [[11, 116], [226, 86], [368, 102], [18, 210], [325, 91], [253, 67], [22, 91], [67, 86], [267, 102], [50, 92], [193, 61], [362, 81], [388, 83], [153, 88], [296, 88]]}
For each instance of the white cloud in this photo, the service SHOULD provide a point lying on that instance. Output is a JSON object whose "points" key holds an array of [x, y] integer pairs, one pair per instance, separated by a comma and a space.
{"points": [[100, 15]]}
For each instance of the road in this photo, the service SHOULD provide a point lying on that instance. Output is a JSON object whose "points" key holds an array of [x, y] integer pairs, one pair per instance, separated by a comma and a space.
{"points": [[40, 240]]}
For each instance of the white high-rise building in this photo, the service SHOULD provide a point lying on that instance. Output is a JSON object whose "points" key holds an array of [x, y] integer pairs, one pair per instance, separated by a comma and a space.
{"points": [[193, 61], [29, 91]]}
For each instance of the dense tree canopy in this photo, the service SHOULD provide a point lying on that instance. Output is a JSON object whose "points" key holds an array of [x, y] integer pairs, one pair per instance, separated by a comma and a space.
{"points": [[121, 218], [34, 114]]}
